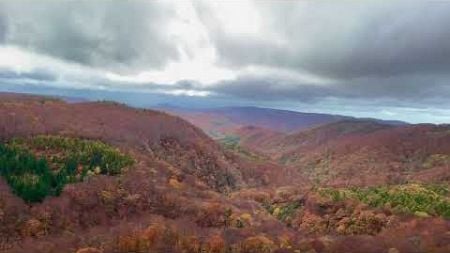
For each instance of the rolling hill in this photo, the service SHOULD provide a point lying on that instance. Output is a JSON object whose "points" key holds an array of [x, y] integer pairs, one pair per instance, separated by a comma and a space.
{"points": [[359, 151], [100, 177], [219, 122]]}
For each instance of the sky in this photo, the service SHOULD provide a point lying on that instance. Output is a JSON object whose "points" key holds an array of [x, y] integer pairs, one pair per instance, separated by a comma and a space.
{"points": [[381, 59]]}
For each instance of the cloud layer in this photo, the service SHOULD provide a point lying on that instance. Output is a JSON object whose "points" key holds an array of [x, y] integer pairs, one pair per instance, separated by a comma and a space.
{"points": [[123, 35], [393, 56], [343, 40]]}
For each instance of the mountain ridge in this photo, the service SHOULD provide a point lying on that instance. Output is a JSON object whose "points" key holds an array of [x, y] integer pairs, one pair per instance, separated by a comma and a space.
{"points": [[221, 121]]}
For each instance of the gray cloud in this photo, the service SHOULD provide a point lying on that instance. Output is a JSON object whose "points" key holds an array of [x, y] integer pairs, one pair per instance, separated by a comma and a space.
{"points": [[371, 50], [38, 74], [403, 90], [3, 26], [342, 40], [260, 89], [117, 35]]}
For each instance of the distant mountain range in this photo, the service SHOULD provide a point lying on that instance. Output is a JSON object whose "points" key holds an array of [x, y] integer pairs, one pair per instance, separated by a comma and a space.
{"points": [[219, 122], [334, 148]]}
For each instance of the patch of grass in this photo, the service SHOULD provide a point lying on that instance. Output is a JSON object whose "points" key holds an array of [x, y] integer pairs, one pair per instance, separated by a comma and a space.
{"points": [[41, 166], [411, 198]]}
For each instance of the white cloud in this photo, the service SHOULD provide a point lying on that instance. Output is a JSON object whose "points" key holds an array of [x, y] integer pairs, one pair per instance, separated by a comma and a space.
{"points": [[190, 93], [21, 61]]}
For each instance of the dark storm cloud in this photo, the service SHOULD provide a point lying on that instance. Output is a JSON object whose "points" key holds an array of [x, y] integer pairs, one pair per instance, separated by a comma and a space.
{"points": [[370, 49], [260, 89], [345, 39], [117, 35], [404, 89]]}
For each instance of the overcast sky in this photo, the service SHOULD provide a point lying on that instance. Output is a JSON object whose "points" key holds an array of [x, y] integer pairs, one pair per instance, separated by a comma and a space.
{"points": [[385, 59]]}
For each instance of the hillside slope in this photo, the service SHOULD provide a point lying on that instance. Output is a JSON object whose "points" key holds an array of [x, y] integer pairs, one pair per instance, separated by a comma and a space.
{"points": [[362, 152], [178, 173], [137, 180], [157, 133]]}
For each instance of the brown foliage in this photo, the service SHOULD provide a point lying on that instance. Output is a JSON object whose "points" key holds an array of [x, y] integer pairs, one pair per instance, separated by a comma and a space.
{"points": [[214, 215], [258, 244], [89, 250], [131, 243], [215, 244], [33, 227], [322, 216]]}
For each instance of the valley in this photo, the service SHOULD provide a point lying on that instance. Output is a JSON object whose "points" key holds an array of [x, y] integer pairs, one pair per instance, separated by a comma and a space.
{"points": [[97, 177]]}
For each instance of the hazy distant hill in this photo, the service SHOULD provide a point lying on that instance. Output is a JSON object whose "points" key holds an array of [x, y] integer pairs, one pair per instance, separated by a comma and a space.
{"points": [[277, 120], [220, 122]]}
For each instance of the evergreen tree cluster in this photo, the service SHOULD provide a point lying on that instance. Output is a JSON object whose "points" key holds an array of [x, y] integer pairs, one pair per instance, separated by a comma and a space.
{"points": [[33, 178]]}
